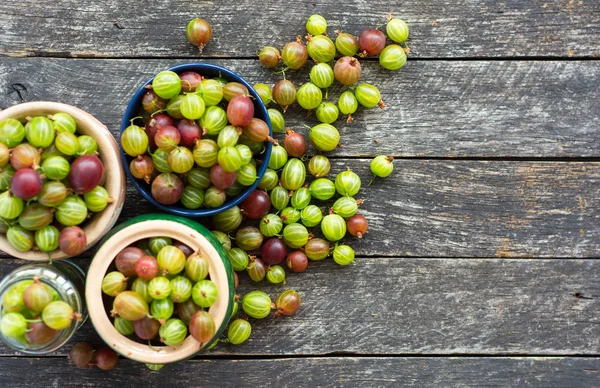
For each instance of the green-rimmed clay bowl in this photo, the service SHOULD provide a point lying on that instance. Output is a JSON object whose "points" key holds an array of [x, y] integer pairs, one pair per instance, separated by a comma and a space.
{"points": [[178, 228]]}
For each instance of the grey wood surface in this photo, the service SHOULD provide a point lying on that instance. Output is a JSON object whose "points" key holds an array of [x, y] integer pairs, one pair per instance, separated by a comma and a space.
{"points": [[420, 306], [484, 109], [314, 372], [449, 29]]}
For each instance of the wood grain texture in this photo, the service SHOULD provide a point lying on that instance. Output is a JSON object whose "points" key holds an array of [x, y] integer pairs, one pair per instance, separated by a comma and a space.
{"points": [[434, 109], [312, 372], [393, 306], [464, 28]]}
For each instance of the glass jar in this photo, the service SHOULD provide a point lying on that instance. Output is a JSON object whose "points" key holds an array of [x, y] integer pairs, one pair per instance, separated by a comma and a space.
{"points": [[67, 280]]}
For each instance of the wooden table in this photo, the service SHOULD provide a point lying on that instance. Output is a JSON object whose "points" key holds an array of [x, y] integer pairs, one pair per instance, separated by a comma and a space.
{"points": [[480, 266]]}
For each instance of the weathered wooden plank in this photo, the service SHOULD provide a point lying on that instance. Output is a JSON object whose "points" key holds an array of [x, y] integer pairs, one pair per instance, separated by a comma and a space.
{"points": [[435, 109], [462, 28], [312, 372], [446, 208], [426, 307]]}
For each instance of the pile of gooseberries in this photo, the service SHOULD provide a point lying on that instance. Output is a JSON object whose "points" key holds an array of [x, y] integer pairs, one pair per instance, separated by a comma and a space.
{"points": [[83, 355], [51, 182], [34, 314], [200, 140]]}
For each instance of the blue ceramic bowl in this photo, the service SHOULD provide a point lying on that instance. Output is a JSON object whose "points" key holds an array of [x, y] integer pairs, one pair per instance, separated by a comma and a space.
{"points": [[260, 111]]}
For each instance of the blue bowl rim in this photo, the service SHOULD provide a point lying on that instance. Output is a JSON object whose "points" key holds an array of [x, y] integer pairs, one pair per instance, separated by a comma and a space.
{"points": [[132, 109]]}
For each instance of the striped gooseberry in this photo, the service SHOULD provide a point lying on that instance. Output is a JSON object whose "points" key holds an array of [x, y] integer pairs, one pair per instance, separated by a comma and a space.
{"points": [[134, 141], [294, 143], [229, 159], [186, 310], [371, 42], [126, 259], [72, 240], [320, 48], [347, 70], [247, 174], [58, 315], [346, 206], [333, 227], [199, 177], [296, 235], [311, 216], [301, 198], [297, 261], [245, 153], [264, 92], [114, 283], [322, 189], [166, 188], [35, 216], [25, 156], [220, 178], [206, 153], [232, 89], [142, 167], [249, 238], [348, 104], [211, 91], [198, 32], [316, 24], [6, 174], [204, 293], [189, 131], [268, 182], [72, 211], [396, 29], [273, 251], [192, 197], [202, 327], [37, 295], [146, 328], [167, 138], [228, 136], [393, 57], [146, 268], [159, 288], [40, 132], [357, 225], [63, 122], [46, 238], [223, 239], [270, 225], [140, 286], [269, 56], [309, 96], [196, 267], [238, 258], [279, 157], [347, 183], [293, 174], [174, 107], [280, 197], [256, 205], [382, 166], [284, 93], [13, 324], [192, 106], [258, 131], [239, 331], [12, 132], [240, 111], [343, 255], [13, 298], [289, 215], [294, 54], [11, 206], [123, 326], [55, 168], [276, 274], [162, 309], [66, 143], [166, 84], [324, 137], [327, 112], [346, 44], [322, 75], [189, 81], [228, 220], [171, 260], [368, 96], [287, 303], [319, 166], [96, 199], [277, 120], [317, 249], [256, 269], [157, 243], [173, 332], [257, 304], [160, 158]]}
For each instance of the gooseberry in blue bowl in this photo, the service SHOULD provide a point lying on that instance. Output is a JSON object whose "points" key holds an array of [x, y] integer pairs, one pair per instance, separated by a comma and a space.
{"points": [[196, 140]]}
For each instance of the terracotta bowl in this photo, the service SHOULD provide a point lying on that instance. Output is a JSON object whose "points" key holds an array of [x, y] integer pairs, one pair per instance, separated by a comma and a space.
{"points": [[100, 223], [178, 228]]}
